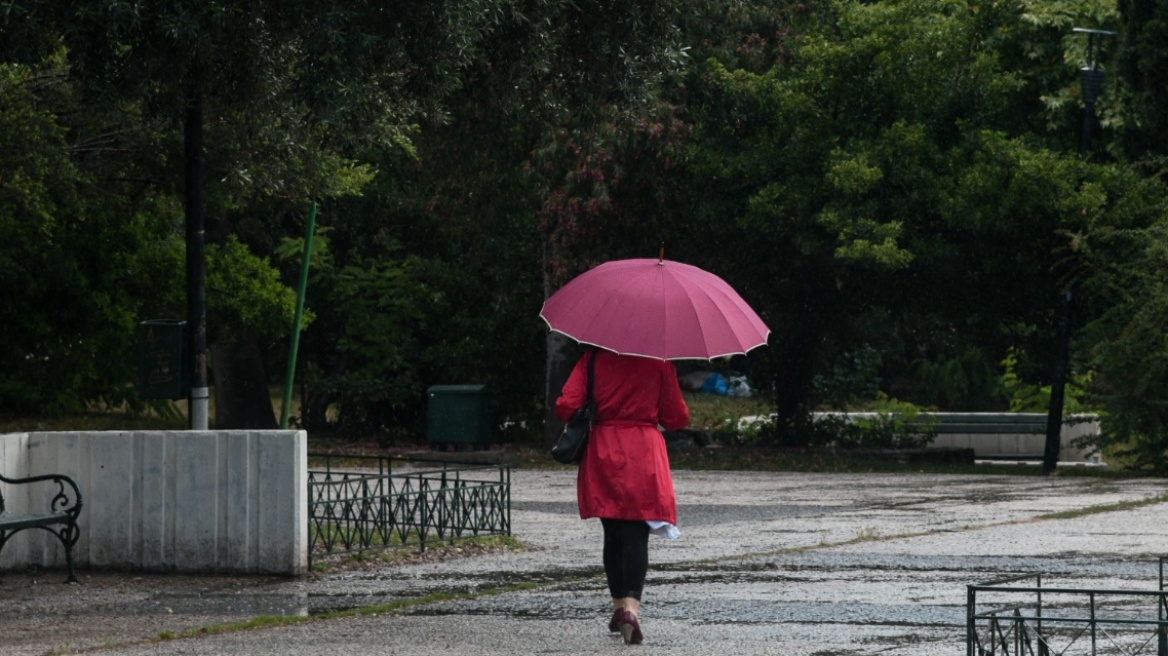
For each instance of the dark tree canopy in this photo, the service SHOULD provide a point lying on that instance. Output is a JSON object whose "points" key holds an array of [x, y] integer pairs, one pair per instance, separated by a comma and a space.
{"points": [[1143, 67], [894, 186]]}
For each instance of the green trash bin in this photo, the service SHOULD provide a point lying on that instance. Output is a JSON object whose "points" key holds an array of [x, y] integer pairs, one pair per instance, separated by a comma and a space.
{"points": [[162, 359], [458, 415]]}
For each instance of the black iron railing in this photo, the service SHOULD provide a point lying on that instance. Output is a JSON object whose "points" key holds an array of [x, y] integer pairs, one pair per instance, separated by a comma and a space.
{"points": [[1006, 617], [368, 505]]}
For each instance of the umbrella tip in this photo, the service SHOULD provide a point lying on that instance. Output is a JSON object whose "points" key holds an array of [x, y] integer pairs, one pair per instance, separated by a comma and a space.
{"points": [[661, 254]]}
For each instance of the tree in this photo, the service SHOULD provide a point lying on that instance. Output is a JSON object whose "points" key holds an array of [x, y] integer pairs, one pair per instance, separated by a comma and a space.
{"points": [[1124, 338], [301, 99], [549, 76], [86, 248], [1125, 291], [883, 176], [291, 91], [1142, 66]]}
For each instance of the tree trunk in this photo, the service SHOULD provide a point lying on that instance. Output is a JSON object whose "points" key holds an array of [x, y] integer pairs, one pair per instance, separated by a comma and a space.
{"points": [[242, 399], [793, 385]]}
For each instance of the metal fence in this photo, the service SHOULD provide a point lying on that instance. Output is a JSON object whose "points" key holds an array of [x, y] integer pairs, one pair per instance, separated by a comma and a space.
{"points": [[1007, 617], [360, 504]]}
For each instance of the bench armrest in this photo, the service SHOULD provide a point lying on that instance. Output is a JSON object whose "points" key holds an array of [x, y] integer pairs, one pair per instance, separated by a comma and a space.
{"points": [[66, 500]]}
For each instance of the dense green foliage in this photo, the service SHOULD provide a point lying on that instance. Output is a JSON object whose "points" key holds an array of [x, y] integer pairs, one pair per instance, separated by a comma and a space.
{"points": [[894, 185], [80, 259], [1143, 68], [432, 110]]}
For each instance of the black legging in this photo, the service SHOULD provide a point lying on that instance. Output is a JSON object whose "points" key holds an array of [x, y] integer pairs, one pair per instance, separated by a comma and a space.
{"points": [[626, 556]]}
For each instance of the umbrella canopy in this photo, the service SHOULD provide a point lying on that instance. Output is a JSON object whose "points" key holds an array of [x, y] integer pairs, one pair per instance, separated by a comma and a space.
{"points": [[657, 309]]}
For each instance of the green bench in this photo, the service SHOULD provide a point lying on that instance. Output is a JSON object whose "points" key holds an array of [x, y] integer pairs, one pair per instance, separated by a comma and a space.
{"points": [[60, 517]]}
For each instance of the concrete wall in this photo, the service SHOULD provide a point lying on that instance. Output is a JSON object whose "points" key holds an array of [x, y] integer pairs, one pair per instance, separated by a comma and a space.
{"points": [[1026, 446], [1015, 445], [182, 501]]}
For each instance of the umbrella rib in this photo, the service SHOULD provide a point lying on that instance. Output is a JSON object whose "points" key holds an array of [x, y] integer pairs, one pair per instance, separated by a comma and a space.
{"points": [[702, 283]]}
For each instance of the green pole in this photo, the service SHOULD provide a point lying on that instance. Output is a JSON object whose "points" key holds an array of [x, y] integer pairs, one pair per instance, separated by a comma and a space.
{"points": [[299, 316]]}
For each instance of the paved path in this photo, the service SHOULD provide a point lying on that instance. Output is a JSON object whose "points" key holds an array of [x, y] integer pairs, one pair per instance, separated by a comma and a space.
{"points": [[770, 563]]}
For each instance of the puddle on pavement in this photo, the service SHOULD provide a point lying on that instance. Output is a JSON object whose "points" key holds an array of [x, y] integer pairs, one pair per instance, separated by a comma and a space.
{"points": [[702, 611], [787, 589]]}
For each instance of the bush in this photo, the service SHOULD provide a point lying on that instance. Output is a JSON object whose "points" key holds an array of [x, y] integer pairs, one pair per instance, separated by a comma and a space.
{"points": [[891, 424]]}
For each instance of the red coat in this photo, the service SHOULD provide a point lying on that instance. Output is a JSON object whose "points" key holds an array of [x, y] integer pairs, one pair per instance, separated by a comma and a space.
{"points": [[625, 470]]}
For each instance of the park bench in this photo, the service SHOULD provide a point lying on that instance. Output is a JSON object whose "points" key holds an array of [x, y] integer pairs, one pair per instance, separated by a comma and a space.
{"points": [[60, 518]]}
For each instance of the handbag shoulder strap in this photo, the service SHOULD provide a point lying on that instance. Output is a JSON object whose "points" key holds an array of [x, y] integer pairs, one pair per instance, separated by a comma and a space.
{"points": [[591, 368]]}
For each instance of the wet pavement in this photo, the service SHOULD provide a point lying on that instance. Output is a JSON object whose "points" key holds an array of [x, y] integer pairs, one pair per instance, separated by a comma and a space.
{"points": [[769, 563]]}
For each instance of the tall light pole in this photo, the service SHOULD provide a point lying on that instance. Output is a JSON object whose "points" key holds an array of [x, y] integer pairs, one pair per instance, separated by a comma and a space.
{"points": [[1091, 84], [197, 418]]}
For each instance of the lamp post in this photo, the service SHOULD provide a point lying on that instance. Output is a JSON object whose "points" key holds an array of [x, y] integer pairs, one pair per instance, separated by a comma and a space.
{"points": [[1091, 84], [198, 401]]}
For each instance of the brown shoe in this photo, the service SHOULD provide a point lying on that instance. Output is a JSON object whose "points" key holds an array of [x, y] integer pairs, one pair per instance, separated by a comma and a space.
{"points": [[614, 623]]}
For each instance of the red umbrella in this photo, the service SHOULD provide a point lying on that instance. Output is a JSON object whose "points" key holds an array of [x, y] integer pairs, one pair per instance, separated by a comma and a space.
{"points": [[656, 309]]}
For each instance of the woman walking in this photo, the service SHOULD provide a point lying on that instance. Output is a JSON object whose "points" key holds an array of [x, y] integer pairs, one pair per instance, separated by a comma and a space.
{"points": [[624, 477]]}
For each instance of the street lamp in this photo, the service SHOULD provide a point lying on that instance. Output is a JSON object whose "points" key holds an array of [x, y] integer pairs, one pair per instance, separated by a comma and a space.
{"points": [[195, 210], [1091, 84]]}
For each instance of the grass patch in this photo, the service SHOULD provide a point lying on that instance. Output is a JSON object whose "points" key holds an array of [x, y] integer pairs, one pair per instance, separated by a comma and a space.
{"points": [[157, 415], [106, 420], [342, 534], [427, 599], [406, 554], [268, 621], [1106, 508], [260, 622], [348, 461], [710, 412]]}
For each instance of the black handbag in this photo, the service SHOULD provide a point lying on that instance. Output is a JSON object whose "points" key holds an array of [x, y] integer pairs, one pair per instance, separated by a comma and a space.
{"points": [[569, 447]]}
